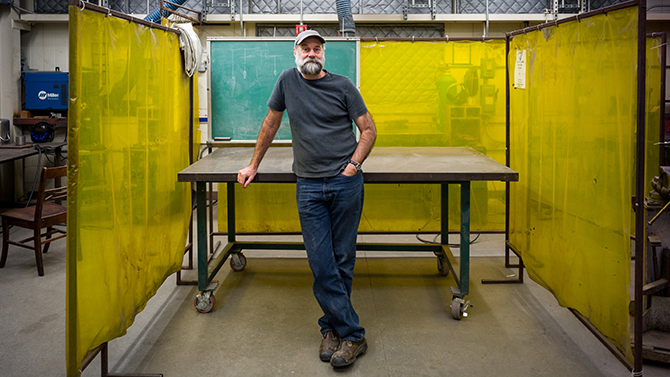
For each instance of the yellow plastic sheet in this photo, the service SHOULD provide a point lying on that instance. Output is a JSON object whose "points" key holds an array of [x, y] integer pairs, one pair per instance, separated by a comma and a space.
{"points": [[435, 94], [653, 112], [419, 94], [573, 132], [128, 138]]}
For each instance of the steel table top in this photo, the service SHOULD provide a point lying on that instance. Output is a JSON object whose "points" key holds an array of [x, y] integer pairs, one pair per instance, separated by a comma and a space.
{"points": [[384, 165]]}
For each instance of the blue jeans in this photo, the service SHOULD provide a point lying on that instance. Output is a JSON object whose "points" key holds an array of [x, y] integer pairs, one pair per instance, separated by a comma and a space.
{"points": [[330, 211]]}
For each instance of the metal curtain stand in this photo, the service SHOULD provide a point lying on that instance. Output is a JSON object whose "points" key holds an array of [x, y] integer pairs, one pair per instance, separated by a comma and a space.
{"points": [[639, 191], [640, 212], [508, 246], [72, 305], [104, 364], [189, 250], [519, 265], [189, 247]]}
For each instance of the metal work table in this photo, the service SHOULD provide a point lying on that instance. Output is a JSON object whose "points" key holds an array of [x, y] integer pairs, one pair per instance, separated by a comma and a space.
{"points": [[10, 152], [7, 154], [439, 165]]}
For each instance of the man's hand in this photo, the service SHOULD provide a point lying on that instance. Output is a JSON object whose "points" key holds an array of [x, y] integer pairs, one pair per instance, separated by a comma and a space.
{"points": [[246, 175], [268, 130], [350, 170]]}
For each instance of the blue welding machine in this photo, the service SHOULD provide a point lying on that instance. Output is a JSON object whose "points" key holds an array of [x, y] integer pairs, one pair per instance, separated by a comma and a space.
{"points": [[45, 90]]}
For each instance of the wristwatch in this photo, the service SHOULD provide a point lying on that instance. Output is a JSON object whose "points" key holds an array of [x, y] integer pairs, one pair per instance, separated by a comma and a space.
{"points": [[356, 164]]}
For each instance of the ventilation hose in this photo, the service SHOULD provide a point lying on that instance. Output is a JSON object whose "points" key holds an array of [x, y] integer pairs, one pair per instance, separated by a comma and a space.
{"points": [[155, 15], [346, 19]]}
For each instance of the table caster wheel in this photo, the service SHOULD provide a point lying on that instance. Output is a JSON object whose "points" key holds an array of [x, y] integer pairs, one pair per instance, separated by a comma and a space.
{"points": [[458, 306], [204, 302], [444, 270], [237, 262]]}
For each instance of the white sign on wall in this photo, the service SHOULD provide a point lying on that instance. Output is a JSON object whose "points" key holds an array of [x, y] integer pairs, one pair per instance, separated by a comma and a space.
{"points": [[520, 70]]}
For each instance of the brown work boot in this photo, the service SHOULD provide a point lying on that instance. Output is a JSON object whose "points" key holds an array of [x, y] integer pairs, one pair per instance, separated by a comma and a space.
{"points": [[347, 352], [328, 346]]}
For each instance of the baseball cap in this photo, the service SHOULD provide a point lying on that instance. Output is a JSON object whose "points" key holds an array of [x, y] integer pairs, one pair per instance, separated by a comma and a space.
{"points": [[306, 34]]}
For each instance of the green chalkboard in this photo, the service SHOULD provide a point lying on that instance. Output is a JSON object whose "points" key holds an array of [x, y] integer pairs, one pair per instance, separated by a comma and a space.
{"points": [[243, 74]]}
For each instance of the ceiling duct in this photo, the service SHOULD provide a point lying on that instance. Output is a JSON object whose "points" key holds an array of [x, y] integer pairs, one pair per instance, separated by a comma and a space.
{"points": [[347, 27]]}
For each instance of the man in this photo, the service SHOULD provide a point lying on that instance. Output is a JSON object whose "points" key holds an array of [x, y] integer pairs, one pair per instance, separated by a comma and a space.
{"points": [[329, 190]]}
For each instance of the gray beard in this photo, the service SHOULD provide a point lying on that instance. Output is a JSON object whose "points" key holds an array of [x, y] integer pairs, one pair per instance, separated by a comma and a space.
{"points": [[310, 67]]}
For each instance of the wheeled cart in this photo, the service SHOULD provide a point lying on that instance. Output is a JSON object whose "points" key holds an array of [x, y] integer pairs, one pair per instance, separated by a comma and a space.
{"points": [[391, 165]]}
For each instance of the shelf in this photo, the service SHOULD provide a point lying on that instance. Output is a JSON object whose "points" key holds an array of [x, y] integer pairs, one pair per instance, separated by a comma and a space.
{"points": [[58, 122]]}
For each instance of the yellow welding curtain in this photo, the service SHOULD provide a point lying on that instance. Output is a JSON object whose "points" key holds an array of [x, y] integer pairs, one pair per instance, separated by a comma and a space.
{"points": [[435, 94], [419, 94], [654, 132], [573, 135], [128, 138]]}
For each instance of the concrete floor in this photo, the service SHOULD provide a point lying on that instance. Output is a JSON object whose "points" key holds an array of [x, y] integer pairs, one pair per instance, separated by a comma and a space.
{"points": [[264, 323]]}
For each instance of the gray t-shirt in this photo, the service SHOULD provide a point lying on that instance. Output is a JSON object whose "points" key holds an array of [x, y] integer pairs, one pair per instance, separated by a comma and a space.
{"points": [[320, 113]]}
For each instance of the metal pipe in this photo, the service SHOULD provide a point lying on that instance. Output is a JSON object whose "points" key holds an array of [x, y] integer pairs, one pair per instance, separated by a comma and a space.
{"points": [[486, 31], [664, 51], [577, 17], [190, 121], [606, 342], [507, 144], [658, 6], [478, 232], [99, 9], [640, 223], [450, 39], [244, 34]]}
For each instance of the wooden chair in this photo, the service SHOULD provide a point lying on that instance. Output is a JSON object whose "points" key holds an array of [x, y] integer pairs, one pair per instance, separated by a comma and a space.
{"points": [[46, 213]]}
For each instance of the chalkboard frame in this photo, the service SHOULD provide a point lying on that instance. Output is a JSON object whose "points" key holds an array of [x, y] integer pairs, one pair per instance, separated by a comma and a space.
{"points": [[210, 125]]}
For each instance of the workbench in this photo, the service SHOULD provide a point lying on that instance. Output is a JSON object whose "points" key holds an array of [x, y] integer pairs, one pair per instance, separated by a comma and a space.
{"points": [[11, 152], [391, 165]]}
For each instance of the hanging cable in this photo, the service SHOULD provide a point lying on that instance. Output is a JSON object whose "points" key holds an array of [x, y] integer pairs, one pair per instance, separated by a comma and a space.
{"points": [[37, 172]]}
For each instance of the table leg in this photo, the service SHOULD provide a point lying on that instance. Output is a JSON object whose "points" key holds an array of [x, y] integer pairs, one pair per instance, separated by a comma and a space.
{"points": [[237, 260], [57, 157], [465, 239], [204, 301], [201, 216], [231, 211], [444, 215], [210, 210], [445, 260], [458, 303]]}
